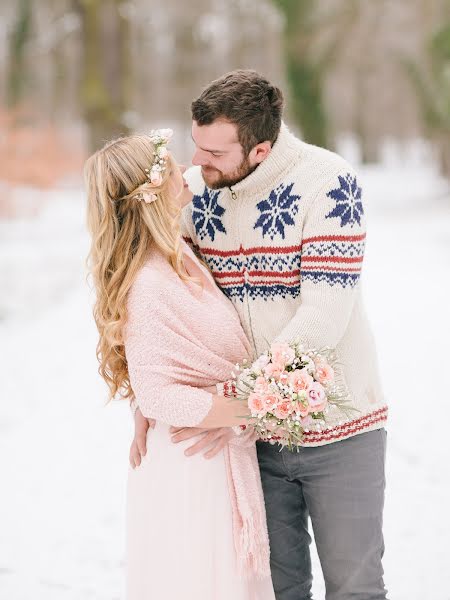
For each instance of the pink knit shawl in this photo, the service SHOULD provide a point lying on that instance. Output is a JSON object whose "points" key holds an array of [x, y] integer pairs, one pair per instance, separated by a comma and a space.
{"points": [[179, 339]]}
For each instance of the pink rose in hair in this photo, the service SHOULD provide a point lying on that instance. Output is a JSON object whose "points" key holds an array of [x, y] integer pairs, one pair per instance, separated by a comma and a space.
{"points": [[316, 397], [282, 354], [300, 380]]}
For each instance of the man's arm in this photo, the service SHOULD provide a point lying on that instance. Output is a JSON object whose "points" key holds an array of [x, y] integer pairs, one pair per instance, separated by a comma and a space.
{"points": [[331, 260], [208, 441]]}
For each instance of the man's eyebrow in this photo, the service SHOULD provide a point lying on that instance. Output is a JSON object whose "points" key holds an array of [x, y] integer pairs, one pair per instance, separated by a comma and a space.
{"points": [[206, 149]]}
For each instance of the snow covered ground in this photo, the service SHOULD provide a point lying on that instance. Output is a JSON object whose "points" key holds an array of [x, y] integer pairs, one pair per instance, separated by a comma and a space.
{"points": [[63, 453]]}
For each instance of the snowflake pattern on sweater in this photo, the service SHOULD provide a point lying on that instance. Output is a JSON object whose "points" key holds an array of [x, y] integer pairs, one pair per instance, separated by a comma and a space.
{"points": [[277, 211], [348, 207], [207, 214]]}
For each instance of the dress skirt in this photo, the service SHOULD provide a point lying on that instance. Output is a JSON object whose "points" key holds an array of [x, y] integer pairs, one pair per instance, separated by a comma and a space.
{"points": [[179, 528]]}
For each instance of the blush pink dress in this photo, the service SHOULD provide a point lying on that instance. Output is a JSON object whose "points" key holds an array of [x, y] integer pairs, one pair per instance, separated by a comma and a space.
{"points": [[181, 511]]}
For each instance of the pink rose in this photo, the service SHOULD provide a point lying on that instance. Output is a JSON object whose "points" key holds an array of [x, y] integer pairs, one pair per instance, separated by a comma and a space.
{"points": [[256, 404], [300, 380], [282, 354], [324, 373], [301, 409], [306, 421], [271, 401], [284, 377], [283, 409], [316, 397], [261, 386], [273, 370]]}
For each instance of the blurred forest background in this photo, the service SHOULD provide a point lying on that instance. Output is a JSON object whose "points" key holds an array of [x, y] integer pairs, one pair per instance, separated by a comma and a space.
{"points": [[74, 73], [368, 78]]}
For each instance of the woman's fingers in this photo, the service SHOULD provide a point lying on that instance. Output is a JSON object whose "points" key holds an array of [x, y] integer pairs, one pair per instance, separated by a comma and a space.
{"points": [[180, 434], [141, 426], [210, 440], [135, 455]]}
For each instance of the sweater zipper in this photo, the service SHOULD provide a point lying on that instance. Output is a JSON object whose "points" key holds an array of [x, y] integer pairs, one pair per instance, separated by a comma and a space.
{"points": [[234, 197]]}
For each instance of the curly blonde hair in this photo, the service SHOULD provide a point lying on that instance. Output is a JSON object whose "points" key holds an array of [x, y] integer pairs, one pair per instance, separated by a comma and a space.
{"points": [[123, 231]]}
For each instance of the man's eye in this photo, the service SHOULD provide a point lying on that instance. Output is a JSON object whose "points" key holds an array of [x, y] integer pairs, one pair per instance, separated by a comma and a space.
{"points": [[215, 155]]}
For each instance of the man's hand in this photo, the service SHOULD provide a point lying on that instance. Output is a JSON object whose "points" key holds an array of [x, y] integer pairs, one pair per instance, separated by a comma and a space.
{"points": [[211, 440], [138, 447]]}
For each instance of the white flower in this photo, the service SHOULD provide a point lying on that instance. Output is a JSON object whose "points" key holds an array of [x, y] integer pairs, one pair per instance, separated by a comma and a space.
{"points": [[309, 363], [261, 362]]}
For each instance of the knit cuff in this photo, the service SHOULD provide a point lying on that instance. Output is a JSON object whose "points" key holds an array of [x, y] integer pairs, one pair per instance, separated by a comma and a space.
{"points": [[227, 389]]}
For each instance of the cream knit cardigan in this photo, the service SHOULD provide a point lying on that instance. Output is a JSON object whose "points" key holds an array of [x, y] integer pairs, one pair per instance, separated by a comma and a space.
{"points": [[286, 246]]}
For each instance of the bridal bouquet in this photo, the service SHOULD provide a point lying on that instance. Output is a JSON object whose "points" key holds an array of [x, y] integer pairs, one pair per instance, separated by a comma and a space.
{"points": [[290, 390]]}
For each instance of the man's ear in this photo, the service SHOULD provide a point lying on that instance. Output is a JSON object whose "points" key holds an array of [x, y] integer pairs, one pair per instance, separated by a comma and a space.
{"points": [[260, 152]]}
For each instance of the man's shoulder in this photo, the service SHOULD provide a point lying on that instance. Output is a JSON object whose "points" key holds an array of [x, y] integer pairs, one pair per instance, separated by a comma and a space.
{"points": [[322, 165]]}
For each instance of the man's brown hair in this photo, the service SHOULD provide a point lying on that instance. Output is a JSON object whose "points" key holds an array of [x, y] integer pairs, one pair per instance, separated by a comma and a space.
{"points": [[248, 100]]}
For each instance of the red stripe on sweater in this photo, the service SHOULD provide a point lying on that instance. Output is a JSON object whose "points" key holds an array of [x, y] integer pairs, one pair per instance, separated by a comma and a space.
{"points": [[381, 413], [221, 275], [335, 238], [248, 251], [348, 432]]}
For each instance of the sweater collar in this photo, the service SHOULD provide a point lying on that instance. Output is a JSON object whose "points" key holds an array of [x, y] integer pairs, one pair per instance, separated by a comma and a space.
{"points": [[284, 154]]}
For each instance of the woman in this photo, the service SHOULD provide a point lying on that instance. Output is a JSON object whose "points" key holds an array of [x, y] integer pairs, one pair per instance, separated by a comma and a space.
{"points": [[195, 528]]}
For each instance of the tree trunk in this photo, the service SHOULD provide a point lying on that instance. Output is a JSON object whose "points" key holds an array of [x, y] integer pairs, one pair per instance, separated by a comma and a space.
{"points": [[17, 78], [104, 91]]}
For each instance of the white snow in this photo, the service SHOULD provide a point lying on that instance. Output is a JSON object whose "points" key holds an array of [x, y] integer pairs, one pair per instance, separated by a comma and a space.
{"points": [[64, 454]]}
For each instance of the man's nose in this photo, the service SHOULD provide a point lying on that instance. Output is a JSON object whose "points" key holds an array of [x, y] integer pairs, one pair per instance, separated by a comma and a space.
{"points": [[199, 159]]}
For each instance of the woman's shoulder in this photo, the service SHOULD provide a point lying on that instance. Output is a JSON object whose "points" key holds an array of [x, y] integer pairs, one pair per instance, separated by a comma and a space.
{"points": [[153, 283]]}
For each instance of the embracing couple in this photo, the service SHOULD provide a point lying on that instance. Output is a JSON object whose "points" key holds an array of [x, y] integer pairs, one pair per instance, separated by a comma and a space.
{"points": [[262, 241]]}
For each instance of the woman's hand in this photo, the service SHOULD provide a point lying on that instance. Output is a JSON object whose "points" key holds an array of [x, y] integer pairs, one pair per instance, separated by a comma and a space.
{"points": [[138, 447], [210, 441]]}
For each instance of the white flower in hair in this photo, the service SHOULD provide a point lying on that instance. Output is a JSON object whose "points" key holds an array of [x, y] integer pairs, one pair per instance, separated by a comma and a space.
{"points": [[159, 138]]}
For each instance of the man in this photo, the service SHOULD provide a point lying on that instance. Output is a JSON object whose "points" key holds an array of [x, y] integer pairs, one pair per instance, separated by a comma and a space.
{"points": [[281, 225]]}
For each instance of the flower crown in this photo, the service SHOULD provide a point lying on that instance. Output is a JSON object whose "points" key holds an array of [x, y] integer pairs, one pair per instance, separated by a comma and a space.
{"points": [[159, 138]]}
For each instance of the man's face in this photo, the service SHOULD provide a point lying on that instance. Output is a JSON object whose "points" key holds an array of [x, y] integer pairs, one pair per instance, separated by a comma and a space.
{"points": [[219, 154]]}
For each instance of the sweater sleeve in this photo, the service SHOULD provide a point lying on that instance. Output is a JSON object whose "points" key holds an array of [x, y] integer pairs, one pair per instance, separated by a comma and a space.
{"points": [[331, 259], [157, 374]]}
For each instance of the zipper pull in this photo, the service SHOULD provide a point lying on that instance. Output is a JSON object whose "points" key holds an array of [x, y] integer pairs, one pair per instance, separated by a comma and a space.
{"points": [[233, 194]]}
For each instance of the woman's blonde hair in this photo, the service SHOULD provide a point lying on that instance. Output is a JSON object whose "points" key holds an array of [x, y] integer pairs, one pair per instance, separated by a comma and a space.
{"points": [[123, 229]]}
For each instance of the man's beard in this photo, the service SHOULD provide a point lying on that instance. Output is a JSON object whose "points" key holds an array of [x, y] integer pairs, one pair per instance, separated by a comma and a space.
{"points": [[241, 172]]}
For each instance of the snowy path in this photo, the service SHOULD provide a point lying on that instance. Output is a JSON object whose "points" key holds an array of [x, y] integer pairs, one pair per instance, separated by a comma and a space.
{"points": [[63, 455]]}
